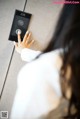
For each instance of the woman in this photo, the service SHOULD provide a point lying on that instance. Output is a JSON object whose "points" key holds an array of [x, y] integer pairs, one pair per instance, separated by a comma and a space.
{"points": [[53, 74]]}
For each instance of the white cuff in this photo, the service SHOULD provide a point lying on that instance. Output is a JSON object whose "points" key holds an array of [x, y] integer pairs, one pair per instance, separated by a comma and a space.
{"points": [[28, 54]]}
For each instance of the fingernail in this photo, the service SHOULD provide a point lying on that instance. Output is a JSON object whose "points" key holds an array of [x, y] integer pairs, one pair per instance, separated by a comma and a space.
{"points": [[19, 32], [27, 32]]}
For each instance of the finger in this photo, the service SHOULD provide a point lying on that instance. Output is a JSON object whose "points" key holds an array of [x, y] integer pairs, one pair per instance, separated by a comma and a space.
{"points": [[28, 37], [19, 38], [25, 37], [30, 43]]}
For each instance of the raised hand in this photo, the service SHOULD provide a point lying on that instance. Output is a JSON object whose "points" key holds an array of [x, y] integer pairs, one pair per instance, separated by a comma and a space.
{"points": [[25, 43]]}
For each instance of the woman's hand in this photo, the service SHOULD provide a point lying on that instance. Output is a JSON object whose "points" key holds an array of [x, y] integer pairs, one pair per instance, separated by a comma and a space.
{"points": [[26, 43]]}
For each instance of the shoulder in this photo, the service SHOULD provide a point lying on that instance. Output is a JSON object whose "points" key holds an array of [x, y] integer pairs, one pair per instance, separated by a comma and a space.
{"points": [[56, 53], [54, 58]]}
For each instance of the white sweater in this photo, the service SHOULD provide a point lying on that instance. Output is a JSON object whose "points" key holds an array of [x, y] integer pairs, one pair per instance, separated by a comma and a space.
{"points": [[38, 87]]}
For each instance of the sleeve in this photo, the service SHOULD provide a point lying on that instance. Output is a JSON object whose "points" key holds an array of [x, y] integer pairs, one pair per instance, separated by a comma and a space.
{"points": [[28, 54]]}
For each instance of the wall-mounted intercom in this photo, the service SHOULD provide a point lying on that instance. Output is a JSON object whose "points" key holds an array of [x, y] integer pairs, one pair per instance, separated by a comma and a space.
{"points": [[20, 23]]}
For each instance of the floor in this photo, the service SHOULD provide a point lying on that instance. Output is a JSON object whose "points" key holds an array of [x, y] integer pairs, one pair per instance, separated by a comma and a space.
{"points": [[44, 17]]}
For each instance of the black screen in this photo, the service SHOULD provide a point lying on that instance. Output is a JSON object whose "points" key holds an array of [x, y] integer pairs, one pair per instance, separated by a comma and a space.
{"points": [[21, 21]]}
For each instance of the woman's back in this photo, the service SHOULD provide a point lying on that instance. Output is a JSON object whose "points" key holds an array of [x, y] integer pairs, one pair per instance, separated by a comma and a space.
{"points": [[39, 89]]}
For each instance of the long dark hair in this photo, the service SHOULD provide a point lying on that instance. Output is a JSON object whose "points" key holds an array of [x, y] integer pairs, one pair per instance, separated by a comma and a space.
{"points": [[67, 36]]}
